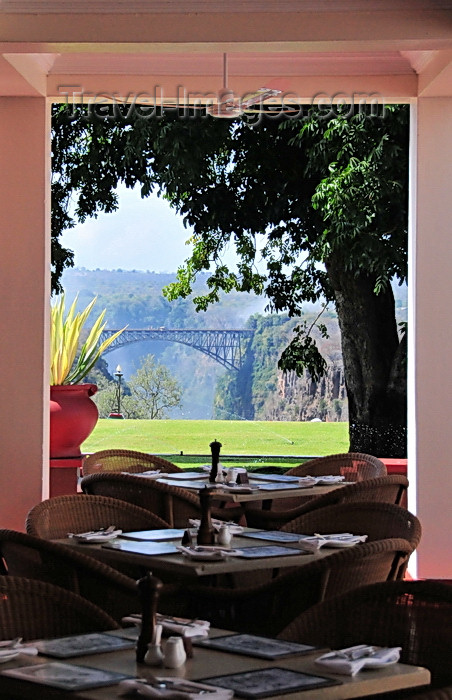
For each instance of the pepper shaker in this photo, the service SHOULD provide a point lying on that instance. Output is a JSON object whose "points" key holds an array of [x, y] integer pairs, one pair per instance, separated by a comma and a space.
{"points": [[215, 447], [187, 539], [148, 590]]}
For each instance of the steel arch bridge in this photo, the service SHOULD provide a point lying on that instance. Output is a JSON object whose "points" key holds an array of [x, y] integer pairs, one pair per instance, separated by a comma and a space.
{"points": [[228, 347]]}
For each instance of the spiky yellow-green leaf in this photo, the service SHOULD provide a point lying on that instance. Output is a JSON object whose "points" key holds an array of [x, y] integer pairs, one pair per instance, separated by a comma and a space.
{"points": [[71, 360]]}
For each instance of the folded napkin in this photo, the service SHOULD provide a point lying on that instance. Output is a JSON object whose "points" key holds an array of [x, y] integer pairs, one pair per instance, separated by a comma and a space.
{"points": [[343, 539], [327, 479], [208, 467], [234, 529], [352, 659], [172, 689], [307, 480], [210, 552], [175, 625], [184, 627]]}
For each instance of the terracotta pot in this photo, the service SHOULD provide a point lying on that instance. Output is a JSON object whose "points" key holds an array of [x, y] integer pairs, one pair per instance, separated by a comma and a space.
{"points": [[73, 417]]}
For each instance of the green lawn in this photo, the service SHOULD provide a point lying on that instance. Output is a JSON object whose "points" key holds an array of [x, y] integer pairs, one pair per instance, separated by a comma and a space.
{"points": [[257, 438]]}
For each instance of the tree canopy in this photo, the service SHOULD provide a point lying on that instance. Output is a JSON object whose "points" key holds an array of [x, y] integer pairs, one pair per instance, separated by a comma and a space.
{"points": [[320, 202]]}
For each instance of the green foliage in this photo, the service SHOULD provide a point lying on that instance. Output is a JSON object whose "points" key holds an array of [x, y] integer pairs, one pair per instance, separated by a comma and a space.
{"points": [[303, 352], [153, 391], [363, 191], [106, 395]]}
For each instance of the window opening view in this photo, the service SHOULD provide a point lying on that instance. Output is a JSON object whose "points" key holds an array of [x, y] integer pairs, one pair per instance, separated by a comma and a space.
{"points": [[256, 266]]}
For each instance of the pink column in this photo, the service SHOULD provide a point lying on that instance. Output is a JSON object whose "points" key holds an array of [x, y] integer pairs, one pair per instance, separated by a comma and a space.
{"points": [[24, 307], [430, 335]]}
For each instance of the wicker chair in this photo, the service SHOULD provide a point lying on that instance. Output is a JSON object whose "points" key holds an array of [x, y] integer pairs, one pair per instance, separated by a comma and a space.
{"points": [[268, 608], [415, 615], [386, 489], [34, 610], [373, 518], [126, 461], [173, 504], [376, 520], [355, 466], [37, 558], [55, 517]]}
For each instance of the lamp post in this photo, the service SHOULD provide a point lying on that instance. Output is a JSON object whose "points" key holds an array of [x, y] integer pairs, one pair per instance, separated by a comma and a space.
{"points": [[118, 375]]}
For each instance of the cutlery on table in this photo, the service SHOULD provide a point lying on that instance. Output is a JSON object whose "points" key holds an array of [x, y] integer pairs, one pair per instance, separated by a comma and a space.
{"points": [[102, 531], [360, 651], [10, 644]]}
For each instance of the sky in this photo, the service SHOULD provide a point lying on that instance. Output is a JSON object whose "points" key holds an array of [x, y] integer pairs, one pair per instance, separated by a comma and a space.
{"points": [[143, 234]]}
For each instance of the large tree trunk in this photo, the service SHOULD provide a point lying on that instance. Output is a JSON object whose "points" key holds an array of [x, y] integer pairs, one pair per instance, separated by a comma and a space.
{"points": [[374, 363]]}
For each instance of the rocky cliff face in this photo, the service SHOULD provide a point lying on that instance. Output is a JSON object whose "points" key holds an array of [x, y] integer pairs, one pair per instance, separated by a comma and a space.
{"points": [[262, 392], [301, 398]]}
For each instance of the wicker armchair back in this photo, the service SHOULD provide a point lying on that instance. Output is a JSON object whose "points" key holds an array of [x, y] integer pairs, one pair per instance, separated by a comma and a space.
{"points": [[386, 489], [355, 466], [268, 608], [126, 461], [376, 520], [37, 558], [35, 610], [372, 518], [415, 615], [173, 504], [55, 517]]}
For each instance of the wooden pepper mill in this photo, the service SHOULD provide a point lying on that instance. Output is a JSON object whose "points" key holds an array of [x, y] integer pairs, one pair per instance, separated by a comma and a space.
{"points": [[148, 591], [215, 447], [206, 532]]}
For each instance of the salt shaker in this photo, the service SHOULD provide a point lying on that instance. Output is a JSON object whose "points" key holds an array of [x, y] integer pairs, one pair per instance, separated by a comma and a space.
{"points": [[154, 654], [224, 535], [175, 654], [231, 476]]}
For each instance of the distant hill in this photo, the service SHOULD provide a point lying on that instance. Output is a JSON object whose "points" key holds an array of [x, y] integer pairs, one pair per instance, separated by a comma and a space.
{"points": [[259, 391], [134, 298]]}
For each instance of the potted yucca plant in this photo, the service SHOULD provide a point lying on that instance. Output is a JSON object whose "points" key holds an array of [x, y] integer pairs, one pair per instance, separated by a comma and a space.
{"points": [[73, 415]]}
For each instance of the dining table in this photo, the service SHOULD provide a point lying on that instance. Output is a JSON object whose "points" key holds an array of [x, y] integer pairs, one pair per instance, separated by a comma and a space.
{"points": [[157, 550], [263, 488], [243, 670]]}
